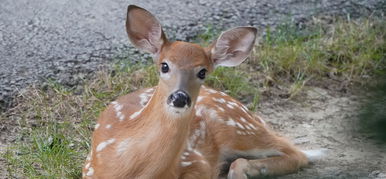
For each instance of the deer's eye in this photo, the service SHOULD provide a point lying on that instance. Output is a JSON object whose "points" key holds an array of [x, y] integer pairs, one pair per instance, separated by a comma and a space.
{"points": [[201, 74], [164, 67]]}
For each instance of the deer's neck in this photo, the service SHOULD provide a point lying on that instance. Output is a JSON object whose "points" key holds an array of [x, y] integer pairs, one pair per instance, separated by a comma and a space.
{"points": [[161, 135]]}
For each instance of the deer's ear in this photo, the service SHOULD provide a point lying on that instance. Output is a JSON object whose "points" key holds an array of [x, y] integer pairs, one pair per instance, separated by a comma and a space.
{"points": [[233, 46], [144, 30]]}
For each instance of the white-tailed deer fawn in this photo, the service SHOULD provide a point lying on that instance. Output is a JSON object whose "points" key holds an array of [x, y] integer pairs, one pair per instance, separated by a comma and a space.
{"points": [[180, 128]]}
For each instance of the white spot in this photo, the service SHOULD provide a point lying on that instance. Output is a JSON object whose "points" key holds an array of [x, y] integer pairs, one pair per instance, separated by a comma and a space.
{"points": [[196, 134], [149, 90], [108, 126], [123, 146], [230, 122], [230, 106], [87, 165], [252, 126], [221, 109], [102, 145], [190, 148], [186, 153], [245, 108], [90, 172], [199, 110], [202, 129], [144, 98], [239, 125], [185, 164], [203, 162], [199, 98], [97, 126], [232, 103], [212, 114], [120, 116], [240, 132], [219, 100], [211, 91], [262, 121], [118, 108], [247, 127], [197, 153], [243, 120], [192, 140], [223, 94], [136, 114], [88, 157]]}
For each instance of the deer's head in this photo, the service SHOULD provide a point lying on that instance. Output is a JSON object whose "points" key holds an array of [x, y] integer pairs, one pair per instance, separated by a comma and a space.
{"points": [[183, 66]]}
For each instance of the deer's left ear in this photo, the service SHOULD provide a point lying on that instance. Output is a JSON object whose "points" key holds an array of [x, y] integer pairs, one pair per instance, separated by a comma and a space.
{"points": [[233, 46]]}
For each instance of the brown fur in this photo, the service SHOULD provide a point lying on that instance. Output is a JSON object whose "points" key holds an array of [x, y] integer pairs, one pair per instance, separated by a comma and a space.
{"points": [[218, 136]]}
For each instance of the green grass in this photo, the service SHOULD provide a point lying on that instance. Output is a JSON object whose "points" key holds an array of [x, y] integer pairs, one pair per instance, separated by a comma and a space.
{"points": [[54, 124], [48, 154], [348, 51]]}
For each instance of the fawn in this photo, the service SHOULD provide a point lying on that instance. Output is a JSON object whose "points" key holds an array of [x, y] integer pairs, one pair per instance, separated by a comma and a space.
{"points": [[181, 128]]}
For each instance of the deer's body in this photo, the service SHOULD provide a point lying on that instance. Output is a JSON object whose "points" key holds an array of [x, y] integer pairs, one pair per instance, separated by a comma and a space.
{"points": [[181, 129], [214, 139]]}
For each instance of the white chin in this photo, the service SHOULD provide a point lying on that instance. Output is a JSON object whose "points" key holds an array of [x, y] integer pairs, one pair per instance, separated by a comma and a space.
{"points": [[178, 111]]}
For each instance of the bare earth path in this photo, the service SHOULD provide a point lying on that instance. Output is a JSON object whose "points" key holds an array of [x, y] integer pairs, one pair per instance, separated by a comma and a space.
{"points": [[325, 120]]}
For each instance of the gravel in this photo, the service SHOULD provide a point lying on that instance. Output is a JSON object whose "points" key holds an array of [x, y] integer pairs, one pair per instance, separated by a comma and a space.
{"points": [[67, 40]]}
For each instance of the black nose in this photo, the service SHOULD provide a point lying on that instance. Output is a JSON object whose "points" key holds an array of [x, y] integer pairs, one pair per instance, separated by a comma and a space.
{"points": [[179, 99]]}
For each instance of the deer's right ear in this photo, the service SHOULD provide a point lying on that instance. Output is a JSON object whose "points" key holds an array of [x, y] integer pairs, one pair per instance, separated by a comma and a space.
{"points": [[144, 30], [233, 46]]}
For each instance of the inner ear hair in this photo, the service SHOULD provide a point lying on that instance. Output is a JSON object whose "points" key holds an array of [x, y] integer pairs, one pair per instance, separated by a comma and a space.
{"points": [[233, 46], [144, 30]]}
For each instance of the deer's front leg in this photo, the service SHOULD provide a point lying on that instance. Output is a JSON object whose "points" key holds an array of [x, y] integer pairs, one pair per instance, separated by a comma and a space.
{"points": [[287, 163], [194, 165]]}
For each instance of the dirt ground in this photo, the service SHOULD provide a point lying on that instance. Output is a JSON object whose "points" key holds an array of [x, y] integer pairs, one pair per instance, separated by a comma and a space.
{"points": [[324, 119]]}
